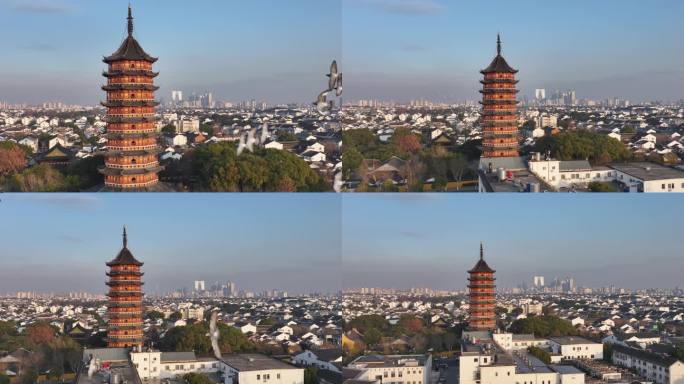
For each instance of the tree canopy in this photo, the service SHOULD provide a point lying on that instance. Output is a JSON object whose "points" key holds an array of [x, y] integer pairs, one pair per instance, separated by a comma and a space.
{"points": [[218, 168], [579, 145]]}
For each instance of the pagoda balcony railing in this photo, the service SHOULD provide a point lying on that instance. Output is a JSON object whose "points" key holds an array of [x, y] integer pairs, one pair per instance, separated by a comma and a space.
{"points": [[133, 166], [492, 98], [147, 131], [117, 81], [122, 314], [500, 122], [125, 304], [500, 145], [118, 281], [119, 338], [133, 148], [129, 103], [132, 185], [124, 273], [482, 285], [499, 102], [129, 72], [111, 325], [500, 81], [121, 294], [130, 115], [500, 112], [490, 132], [130, 87], [488, 91], [480, 278], [138, 118]]}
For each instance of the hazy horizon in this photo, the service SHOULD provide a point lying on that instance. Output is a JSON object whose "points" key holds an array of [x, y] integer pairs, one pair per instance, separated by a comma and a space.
{"points": [[60, 243], [409, 49], [431, 241], [266, 50]]}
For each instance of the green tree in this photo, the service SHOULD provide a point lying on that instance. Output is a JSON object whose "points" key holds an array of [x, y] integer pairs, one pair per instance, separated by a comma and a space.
{"points": [[154, 315], [42, 178], [540, 354], [311, 375], [30, 376], [197, 378], [372, 337], [601, 187], [169, 129], [351, 161]]}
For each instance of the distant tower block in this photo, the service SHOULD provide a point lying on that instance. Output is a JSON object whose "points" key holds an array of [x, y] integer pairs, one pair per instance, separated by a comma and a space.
{"points": [[482, 293], [499, 109], [131, 161], [125, 310]]}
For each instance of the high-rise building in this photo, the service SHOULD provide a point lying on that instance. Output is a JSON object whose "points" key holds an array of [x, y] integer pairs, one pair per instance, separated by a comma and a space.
{"points": [[131, 161], [177, 96], [482, 294], [540, 94], [499, 109], [199, 285], [539, 281], [124, 310]]}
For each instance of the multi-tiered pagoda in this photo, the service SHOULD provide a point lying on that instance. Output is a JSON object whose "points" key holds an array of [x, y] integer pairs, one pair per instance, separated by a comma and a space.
{"points": [[125, 310], [131, 161], [499, 112], [482, 293]]}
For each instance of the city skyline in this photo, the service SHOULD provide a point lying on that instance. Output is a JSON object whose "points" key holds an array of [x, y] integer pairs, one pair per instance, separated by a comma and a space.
{"points": [[583, 45], [248, 239], [203, 46], [431, 241]]}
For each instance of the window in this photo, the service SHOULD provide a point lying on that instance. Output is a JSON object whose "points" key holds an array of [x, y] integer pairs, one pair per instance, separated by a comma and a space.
{"points": [[258, 377]]}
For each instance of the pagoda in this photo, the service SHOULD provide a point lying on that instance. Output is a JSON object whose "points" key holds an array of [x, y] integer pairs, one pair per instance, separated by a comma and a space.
{"points": [[482, 291], [125, 326], [131, 161], [499, 109]]}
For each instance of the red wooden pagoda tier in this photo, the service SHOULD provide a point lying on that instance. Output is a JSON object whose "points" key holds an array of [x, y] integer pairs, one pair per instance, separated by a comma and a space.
{"points": [[125, 310], [499, 109], [131, 161], [482, 295]]}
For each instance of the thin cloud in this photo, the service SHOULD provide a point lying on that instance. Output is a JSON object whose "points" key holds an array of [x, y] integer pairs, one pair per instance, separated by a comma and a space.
{"points": [[413, 47], [41, 7], [41, 47], [406, 7]]}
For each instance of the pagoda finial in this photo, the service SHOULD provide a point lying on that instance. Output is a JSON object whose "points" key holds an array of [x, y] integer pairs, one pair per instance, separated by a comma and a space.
{"points": [[498, 44], [130, 19], [481, 251], [125, 238]]}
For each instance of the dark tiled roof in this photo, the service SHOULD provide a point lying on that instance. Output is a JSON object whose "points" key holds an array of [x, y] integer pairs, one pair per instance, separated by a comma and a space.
{"points": [[125, 257], [499, 64], [650, 357], [481, 265], [130, 49]]}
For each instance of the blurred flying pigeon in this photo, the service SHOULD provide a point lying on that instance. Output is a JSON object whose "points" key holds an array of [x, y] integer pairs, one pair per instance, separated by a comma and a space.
{"points": [[214, 334]]}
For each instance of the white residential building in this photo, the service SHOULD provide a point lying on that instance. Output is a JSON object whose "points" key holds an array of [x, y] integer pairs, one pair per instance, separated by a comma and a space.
{"points": [[660, 369]]}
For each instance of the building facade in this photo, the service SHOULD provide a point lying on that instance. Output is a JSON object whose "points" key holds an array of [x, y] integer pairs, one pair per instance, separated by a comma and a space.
{"points": [[125, 310], [482, 295], [499, 109], [131, 160]]}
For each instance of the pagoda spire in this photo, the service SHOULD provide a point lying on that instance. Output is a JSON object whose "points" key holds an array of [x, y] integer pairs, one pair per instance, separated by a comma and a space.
{"points": [[498, 44], [130, 19], [481, 251], [125, 238]]}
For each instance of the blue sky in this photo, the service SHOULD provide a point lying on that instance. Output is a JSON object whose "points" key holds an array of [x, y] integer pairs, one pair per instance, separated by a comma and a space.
{"points": [[404, 241], [270, 50], [404, 49], [60, 243]]}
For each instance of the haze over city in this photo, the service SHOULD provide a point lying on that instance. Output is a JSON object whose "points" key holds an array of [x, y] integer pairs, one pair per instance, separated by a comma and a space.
{"points": [[405, 49], [238, 50], [60, 243], [430, 241]]}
